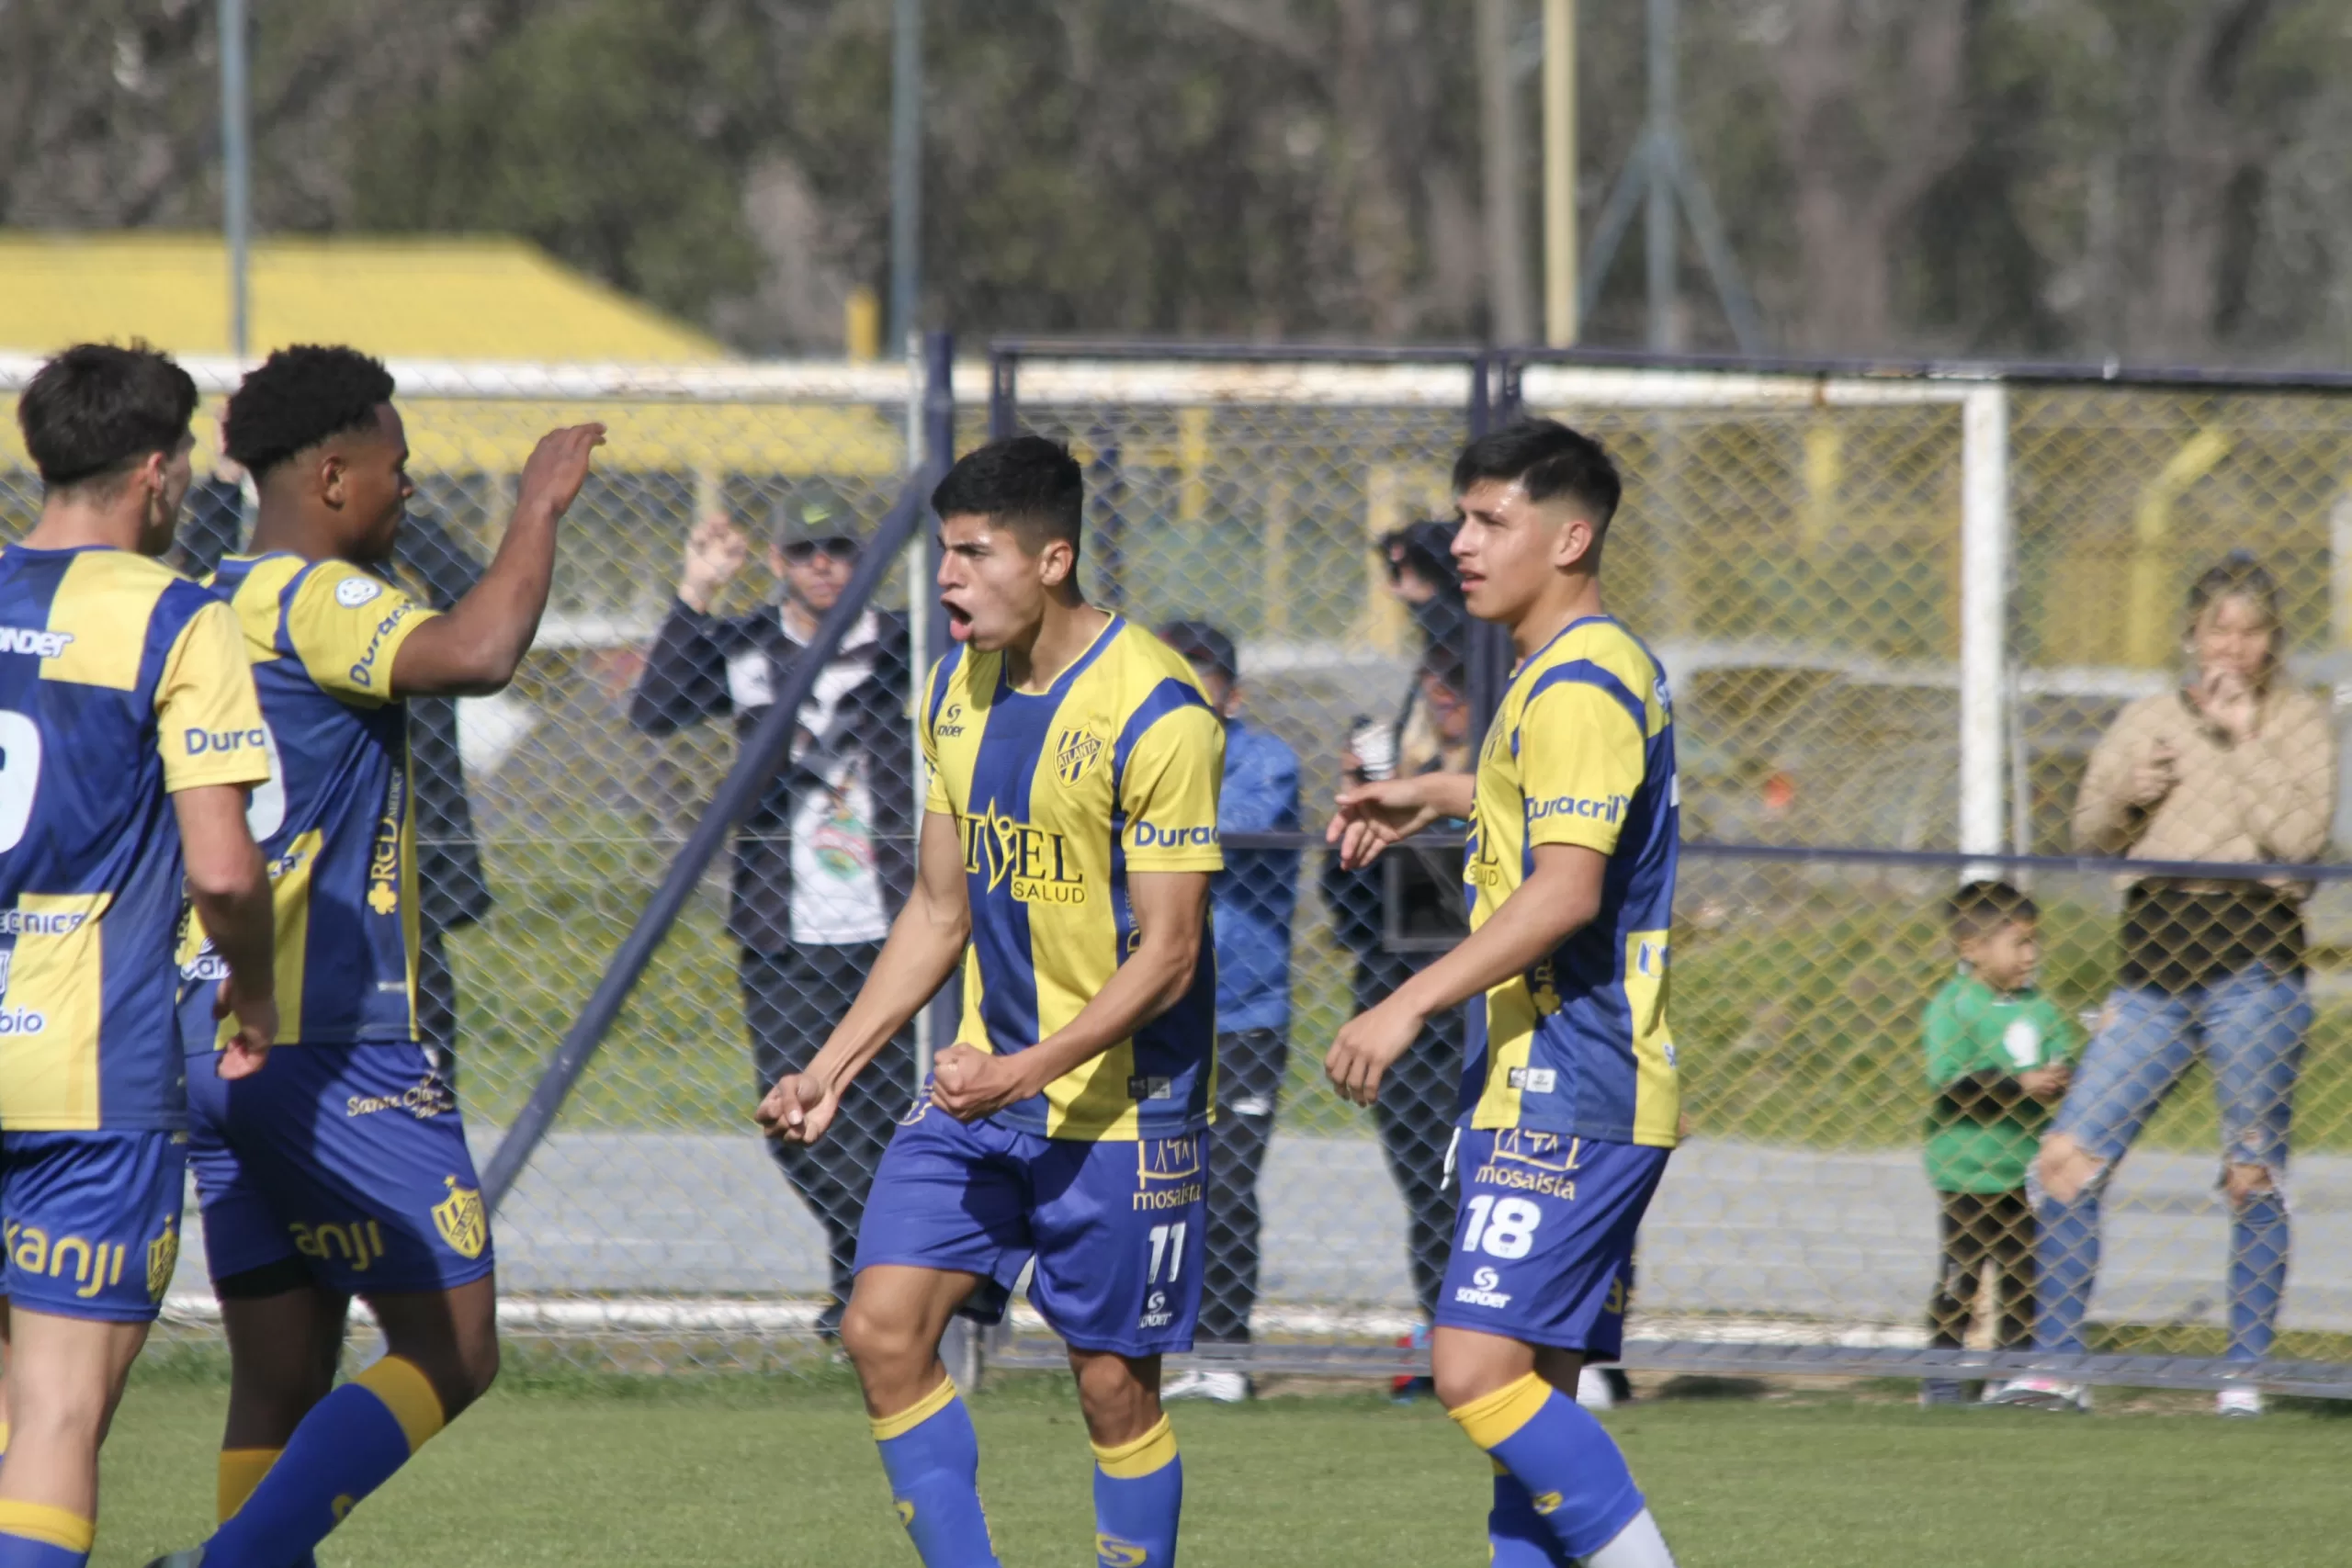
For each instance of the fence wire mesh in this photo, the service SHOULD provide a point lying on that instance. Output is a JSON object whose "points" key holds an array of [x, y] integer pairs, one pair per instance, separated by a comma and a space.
{"points": [[1798, 553]]}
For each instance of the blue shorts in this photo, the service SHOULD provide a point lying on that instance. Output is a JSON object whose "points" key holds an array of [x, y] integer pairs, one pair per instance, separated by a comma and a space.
{"points": [[1117, 1228], [348, 1161], [1543, 1241], [92, 1221]]}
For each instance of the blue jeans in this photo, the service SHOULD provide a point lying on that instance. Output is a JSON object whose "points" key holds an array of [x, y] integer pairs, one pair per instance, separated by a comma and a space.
{"points": [[2250, 1027]]}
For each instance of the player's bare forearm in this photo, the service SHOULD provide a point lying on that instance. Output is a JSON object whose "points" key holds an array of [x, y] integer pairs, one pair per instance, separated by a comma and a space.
{"points": [[925, 944], [1369, 817], [229, 883], [475, 648], [1558, 900], [1153, 979], [1170, 914]]}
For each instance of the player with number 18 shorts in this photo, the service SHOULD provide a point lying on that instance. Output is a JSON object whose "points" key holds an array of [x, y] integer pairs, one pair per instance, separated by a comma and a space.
{"points": [[1574, 1101]]}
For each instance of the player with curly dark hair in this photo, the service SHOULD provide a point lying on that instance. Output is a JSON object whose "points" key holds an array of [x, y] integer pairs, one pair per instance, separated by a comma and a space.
{"points": [[344, 1171]]}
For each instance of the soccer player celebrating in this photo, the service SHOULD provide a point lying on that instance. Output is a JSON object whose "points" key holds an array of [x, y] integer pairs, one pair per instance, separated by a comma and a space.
{"points": [[128, 736], [344, 1171], [1070, 836], [1570, 869]]}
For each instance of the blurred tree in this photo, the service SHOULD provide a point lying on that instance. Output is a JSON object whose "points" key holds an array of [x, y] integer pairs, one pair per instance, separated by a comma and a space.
{"points": [[2144, 179]]}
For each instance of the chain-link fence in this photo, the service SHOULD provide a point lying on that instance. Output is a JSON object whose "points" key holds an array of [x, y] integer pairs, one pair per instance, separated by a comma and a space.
{"points": [[1918, 629]]}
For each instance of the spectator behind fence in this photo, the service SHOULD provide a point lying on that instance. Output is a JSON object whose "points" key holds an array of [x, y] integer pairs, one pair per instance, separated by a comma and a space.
{"points": [[1253, 899], [1996, 1059], [1397, 916], [826, 858], [2236, 765], [431, 565], [1421, 576]]}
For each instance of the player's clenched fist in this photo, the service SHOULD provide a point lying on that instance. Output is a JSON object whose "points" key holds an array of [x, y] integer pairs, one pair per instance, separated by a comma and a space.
{"points": [[1367, 1047], [798, 1109], [969, 1083]]}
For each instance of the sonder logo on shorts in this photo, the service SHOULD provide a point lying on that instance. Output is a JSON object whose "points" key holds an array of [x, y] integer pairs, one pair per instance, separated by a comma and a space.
{"points": [[1481, 1292], [1155, 1314]]}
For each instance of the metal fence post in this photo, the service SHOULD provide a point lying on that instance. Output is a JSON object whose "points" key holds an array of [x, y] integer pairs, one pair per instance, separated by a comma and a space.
{"points": [[756, 760], [1004, 393], [1984, 618], [944, 1015], [1494, 402]]}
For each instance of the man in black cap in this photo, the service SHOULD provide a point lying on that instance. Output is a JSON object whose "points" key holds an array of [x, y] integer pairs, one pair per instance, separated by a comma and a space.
{"points": [[826, 860]]}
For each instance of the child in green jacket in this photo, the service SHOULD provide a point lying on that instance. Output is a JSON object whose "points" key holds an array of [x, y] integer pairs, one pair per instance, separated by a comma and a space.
{"points": [[1997, 1054]]}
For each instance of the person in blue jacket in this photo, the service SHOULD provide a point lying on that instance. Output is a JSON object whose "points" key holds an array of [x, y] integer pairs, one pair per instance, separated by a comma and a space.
{"points": [[1252, 899]]}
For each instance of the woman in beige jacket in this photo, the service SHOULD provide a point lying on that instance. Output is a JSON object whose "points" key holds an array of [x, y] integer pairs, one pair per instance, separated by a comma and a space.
{"points": [[2238, 766]]}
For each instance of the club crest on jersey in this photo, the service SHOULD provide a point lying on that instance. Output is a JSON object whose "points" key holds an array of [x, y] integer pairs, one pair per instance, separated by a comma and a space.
{"points": [[461, 1220], [1075, 751]]}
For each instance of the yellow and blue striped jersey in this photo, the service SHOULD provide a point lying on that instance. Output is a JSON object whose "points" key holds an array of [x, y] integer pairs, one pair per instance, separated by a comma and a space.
{"points": [[120, 683], [337, 819], [1057, 795], [1581, 752]]}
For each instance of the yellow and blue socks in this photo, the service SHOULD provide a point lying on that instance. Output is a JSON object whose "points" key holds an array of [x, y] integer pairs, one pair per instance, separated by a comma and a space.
{"points": [[348, 1445], [238, 1472], [34, 1535], [932, 1459], [1575, 1479], [1517, 1536], [1138, 1496]]}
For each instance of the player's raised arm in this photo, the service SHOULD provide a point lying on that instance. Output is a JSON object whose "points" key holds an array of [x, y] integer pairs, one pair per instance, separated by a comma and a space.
{"points": [[925, 943], [476, 647]]}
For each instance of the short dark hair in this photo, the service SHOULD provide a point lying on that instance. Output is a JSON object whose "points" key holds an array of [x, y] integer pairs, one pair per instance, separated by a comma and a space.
{"points": [[1026, 482], [298, 397], [1980, 908], [1551, 460], [98, 409], [1201, 643]]}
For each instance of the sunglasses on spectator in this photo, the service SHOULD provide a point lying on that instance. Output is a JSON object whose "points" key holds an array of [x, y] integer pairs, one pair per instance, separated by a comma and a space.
{"points": [[839, 545]]}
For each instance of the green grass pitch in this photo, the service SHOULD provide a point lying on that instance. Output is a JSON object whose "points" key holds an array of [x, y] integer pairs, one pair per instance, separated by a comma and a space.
{"points": [[584, 1473]]}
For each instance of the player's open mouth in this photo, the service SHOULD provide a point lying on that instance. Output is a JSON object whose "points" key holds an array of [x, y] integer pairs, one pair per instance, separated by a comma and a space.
{"points": [[959, 621]]}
